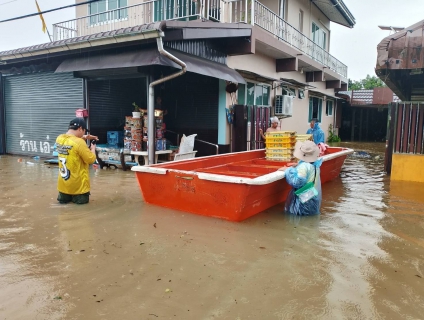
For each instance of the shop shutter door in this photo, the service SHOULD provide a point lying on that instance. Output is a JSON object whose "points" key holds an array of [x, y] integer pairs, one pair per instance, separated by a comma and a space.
{"points": [[193, 105], [38, 109], [111, 100]]}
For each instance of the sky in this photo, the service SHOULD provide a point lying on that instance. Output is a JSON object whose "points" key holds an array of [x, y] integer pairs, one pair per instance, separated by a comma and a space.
{"points": [[357, 47]]}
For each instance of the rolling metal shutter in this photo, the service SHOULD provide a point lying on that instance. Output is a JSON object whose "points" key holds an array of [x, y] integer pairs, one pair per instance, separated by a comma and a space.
{"points": [[192, 104], [38, 109], [111, 100]]}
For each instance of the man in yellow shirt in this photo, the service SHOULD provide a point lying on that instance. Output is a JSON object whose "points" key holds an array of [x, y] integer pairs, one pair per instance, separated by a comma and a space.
{"points": [[73, 181]]}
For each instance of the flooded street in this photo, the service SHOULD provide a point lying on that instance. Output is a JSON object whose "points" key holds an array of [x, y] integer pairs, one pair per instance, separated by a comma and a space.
{"points": [[119, 258]]}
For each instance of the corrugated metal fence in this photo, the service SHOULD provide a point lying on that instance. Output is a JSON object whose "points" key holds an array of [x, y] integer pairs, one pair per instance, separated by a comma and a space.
{"points": [[406, 130]]}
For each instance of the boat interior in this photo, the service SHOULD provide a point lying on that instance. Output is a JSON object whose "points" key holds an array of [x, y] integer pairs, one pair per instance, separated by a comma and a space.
{"points": [[250, 164]]}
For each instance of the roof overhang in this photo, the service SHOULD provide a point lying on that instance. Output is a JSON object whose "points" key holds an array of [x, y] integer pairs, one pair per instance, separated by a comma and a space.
{"points": [[321, 94], [295, 83], [137, 33], [149, 57], [336, 11], [256, 77]]}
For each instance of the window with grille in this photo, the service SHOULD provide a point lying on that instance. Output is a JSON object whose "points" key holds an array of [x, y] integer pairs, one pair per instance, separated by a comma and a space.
{"points": [[107, 10]]}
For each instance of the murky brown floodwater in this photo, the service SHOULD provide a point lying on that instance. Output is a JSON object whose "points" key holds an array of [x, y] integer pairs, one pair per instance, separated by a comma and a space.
{"points": [[118, 258]]}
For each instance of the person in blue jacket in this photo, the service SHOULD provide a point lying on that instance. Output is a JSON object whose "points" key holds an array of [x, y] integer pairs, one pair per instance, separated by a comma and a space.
{"points": [[306, 171], [316, 132]]}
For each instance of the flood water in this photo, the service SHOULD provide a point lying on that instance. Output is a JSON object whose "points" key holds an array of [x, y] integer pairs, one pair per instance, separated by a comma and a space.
{"points": [[119, 258]]}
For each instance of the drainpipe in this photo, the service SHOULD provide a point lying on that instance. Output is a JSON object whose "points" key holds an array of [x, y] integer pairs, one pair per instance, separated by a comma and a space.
{"points": [[151, 108]]}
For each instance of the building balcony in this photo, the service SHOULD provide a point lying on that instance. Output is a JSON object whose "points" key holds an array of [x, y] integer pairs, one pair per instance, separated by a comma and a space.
{"points": [[233, 11]]}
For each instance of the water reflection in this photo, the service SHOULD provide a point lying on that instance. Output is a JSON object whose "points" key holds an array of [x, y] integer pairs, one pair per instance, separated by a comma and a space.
{"points": [[361, 259]]}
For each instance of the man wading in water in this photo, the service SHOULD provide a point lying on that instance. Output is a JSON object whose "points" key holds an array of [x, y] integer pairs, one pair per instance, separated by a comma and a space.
{"points": [[73, 182]]}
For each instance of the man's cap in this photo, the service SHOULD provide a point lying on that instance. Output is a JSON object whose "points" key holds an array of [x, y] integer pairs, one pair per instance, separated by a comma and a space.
{"points": [[76, 123]]}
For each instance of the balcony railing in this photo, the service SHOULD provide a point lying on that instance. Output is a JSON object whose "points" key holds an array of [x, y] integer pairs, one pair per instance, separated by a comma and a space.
{"points": [[231, 11], [143, 13], [270, 21]]}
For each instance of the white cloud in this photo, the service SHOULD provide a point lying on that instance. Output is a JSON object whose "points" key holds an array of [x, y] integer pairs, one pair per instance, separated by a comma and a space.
{"points": [[28, 31], [357, 47]]}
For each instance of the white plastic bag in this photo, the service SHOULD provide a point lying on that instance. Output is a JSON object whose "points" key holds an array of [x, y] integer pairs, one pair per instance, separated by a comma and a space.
{"points": [[187, 143]]}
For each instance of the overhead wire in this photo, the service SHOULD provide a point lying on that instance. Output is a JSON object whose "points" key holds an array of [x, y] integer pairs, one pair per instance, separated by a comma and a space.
{"points": [[50, 10], [1, 4]]}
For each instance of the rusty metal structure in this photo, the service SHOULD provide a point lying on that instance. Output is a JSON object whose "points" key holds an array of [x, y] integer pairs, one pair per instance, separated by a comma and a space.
{"points": [[400, 62]]}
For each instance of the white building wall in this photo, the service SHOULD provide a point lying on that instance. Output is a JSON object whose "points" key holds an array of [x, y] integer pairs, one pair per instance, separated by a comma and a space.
{"points": [[265, 66]]}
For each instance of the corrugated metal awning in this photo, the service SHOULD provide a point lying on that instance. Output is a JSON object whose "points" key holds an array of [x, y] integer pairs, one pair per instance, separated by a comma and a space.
{"points": [[148, 57], [256, 77], [296, 83], [321, 94]]}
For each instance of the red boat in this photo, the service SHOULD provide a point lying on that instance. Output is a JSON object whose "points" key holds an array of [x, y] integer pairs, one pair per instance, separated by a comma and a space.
{"points": [[233, 186]]}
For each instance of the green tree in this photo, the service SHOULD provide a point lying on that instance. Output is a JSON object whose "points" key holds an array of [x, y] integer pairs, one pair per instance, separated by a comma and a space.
{"points": [[366, 84]]}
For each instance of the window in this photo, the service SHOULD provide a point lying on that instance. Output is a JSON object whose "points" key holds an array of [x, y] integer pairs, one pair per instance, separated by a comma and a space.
{"points": [[171, 9], [287, 91], [315, 108], [258, 94], [329, 108], [319, 36], [107, 10], [301, 21]]}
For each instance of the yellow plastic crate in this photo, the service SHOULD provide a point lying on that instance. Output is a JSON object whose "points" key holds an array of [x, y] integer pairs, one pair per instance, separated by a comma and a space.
{"points": [[291, 139], [303, 137], [280, 158], [278, 134], [279, 152], [280, 145]]}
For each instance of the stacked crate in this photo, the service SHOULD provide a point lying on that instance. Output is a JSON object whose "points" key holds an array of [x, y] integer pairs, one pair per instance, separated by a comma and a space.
{"points": [[280, 145], [303, 137]]}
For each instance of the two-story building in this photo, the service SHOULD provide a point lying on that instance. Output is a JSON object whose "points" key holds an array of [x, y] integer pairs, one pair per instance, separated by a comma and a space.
{"points": [[106, 58]]}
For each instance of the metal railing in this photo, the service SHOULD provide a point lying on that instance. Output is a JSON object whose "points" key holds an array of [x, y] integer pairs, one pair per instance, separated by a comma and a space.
{"points": [[196, 140], [271, 22], [231, 11], [130, 16], [176, 134], [211, 144]]}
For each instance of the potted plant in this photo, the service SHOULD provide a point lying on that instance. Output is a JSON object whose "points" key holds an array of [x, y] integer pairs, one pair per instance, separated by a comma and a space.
{"points": [[136, 113]]}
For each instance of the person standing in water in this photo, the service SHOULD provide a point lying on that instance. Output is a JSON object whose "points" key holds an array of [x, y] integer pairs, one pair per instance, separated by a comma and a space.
{"points": [[74, 156], [275, 126], [306, 175], [316, 131]]}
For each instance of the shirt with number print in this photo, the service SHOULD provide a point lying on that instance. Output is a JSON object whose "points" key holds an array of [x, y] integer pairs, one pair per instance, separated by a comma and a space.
{"points": [[74, 159]]}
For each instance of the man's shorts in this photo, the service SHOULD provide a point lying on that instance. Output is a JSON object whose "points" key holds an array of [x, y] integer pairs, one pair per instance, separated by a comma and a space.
{"points": [[78, 198]]}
